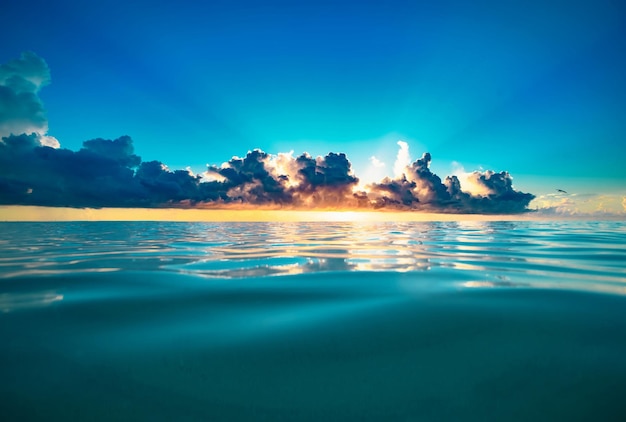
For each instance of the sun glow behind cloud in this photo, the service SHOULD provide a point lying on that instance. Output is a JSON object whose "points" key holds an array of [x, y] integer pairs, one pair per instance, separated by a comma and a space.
{"points": [[107, 173], [107, 180]]}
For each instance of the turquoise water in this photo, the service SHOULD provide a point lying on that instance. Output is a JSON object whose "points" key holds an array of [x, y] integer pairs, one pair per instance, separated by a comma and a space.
{"points": [[313, 321]]}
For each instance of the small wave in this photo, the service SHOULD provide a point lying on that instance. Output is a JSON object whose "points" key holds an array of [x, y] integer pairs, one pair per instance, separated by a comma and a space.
{"points": [[577, 255]]}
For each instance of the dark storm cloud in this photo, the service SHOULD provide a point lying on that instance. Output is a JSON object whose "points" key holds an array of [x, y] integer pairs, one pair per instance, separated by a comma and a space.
{"points": [[331, 171], [302, 181], [428, 183], [420, 188], [119, 150], [246, 180], [501, 199], [324, 181], [395, 193], [107, 173], [41, 175]]}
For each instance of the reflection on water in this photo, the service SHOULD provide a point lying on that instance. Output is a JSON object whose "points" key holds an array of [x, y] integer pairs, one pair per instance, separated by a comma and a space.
{"points": [[576, 255], [14, 301], [313, 321]]}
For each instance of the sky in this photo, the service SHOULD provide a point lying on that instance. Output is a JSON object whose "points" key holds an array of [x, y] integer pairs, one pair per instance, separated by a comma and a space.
{"points": [[528, 92]]}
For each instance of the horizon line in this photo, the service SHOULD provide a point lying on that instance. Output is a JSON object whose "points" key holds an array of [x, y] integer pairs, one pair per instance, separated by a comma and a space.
{"points": [[29, 213]]}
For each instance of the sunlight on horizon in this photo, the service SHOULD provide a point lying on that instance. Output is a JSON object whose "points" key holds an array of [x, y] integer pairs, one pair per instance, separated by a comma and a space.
{"points": [[35, 213]]}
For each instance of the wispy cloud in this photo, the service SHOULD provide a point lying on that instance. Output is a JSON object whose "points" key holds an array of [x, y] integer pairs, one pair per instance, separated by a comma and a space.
{"points": [[376, 162], [580, 205]]}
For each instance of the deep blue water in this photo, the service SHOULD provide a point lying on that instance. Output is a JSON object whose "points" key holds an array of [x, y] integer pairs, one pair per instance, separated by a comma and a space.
{"points": [[313, 321]]}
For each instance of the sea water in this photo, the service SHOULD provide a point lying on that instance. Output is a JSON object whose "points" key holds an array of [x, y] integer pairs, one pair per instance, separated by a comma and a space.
{"points": [[313, 321]]}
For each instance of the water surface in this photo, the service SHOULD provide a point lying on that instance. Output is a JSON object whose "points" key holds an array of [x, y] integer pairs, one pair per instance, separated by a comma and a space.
{"points": [[304, 321]]}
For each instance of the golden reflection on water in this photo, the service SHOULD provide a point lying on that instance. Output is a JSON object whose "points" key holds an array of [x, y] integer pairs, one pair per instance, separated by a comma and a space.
{"points": [[478, 253]]}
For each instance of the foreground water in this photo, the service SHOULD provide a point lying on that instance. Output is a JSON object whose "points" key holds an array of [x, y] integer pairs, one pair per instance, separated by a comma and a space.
{"points": [[313, 321]]}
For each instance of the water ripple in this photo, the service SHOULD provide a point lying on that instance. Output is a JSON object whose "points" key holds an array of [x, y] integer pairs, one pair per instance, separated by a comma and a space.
{"points": [[581, 255]]}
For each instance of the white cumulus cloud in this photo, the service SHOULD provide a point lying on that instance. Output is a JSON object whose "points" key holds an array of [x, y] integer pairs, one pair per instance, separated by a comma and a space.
{"points": [[403, 159], [376, 162]]}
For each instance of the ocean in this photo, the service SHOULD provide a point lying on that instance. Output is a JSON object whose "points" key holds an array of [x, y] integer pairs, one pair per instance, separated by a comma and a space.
{"points": [[422, 321]]}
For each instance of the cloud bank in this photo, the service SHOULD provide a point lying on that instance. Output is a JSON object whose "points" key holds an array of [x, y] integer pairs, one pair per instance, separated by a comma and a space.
{"points": [[34, 170], [585, 205]]}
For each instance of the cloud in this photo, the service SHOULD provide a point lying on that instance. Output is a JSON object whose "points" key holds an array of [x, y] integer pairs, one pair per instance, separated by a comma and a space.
{"points": [[40, 175], [327, 181], [588, 205], [260, 178], [470, 181], [247, 180], [403, 159], [21, 109], [376, 162], [501, 198], [108, 173], [420, 189]]}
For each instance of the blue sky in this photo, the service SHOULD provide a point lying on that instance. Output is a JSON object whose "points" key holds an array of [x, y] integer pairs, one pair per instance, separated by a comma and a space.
{"points": [[533, 88]]}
